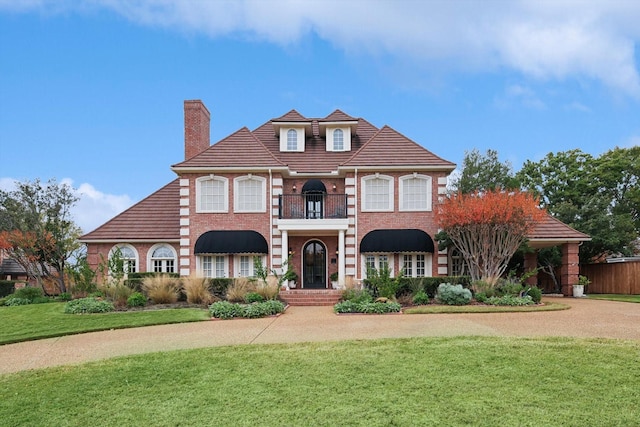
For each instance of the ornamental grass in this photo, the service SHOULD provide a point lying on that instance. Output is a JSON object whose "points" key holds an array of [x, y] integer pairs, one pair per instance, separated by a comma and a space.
{"points": [[162, 289]]}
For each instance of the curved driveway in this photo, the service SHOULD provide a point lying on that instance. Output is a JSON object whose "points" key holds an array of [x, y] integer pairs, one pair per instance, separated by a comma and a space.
{"points": [[586, 318]]}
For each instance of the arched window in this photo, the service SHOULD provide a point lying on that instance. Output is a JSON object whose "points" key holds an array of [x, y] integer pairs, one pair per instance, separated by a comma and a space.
{"points": [[124, 259], [338, 140], [415, 193], [377, 193], [163, 259], [250, 194], [212, 194], [292, 140]]}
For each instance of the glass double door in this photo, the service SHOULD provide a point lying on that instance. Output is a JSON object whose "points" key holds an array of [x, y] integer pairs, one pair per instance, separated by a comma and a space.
{"points": [[314, 266]]}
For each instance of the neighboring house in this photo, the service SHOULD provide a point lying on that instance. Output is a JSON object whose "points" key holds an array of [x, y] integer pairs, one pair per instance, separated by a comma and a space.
{"points": [[333, 195]]}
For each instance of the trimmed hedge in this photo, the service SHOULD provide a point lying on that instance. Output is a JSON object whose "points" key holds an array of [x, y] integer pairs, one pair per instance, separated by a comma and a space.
{"points": [[7, 287]]}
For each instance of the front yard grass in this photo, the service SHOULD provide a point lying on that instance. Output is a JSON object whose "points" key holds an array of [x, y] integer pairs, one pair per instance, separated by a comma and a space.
{"points": [[616, 297], [480, 381], [37, 321]]}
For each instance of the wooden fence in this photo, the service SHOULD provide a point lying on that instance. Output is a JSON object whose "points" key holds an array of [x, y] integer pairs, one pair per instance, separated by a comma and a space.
{"points": [[613, 278]]}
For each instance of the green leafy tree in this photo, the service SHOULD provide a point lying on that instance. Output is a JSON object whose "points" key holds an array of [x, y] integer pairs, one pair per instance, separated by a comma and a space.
{"points": [[43, 212], [592, 195], [484, 172]]}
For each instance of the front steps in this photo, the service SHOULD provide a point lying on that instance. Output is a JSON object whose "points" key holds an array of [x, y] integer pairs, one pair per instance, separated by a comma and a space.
{"points": [[310, 297]]}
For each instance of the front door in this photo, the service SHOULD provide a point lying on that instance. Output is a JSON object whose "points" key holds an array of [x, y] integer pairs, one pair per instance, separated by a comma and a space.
{"points": [[314, 266], [314, 205]]}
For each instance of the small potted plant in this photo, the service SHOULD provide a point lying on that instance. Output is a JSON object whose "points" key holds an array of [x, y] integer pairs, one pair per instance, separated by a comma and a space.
{"points": [[292, 278], [334, 280], [578, 289]]}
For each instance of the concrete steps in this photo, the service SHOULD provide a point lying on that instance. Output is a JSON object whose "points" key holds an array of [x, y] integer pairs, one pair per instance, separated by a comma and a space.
{"points": [[310, 297]]}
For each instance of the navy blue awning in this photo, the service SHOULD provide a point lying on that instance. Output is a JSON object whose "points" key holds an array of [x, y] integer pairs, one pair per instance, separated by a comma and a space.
{"points": [[394, 241], [231, 242]]}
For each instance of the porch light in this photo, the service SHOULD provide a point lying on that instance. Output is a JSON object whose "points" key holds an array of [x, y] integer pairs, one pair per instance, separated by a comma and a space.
{"points": [[334, 187], [294, 188], [290, 251]]}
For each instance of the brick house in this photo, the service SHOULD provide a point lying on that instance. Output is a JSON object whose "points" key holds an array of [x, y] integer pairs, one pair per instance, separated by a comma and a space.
{"points": [[333, 195]]}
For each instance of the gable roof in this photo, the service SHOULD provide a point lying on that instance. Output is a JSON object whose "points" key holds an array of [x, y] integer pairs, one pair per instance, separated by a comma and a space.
{"points": [[551, 232], [291, 116], [338, 116], [155, 218], [390, 148]]}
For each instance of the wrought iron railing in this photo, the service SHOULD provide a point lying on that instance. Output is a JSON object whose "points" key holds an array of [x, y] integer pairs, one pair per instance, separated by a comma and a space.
{"points": [[312, 206]]}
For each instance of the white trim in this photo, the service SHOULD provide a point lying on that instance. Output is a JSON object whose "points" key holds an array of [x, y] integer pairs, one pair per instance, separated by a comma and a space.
{"points": [[157, 246], [363, 199], [401, 196], [225, 193], [284, 135], [132, 248], [236, 193], [346, 138]]}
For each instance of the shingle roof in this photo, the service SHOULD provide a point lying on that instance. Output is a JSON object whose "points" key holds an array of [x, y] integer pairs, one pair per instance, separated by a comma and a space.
{"points": [[240, 149], [551, 229], [338, 116], [291, 116], [390, 148], [156, 217]]}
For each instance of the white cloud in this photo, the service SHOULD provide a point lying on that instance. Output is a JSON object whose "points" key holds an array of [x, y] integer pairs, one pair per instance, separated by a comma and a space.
{"points": [[93, 207], [578, 106], [518, 94], [547, 40]]}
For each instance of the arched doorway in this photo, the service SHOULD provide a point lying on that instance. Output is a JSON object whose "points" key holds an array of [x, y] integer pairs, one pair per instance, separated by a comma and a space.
{"points": [[314, 192], [314, 265]]}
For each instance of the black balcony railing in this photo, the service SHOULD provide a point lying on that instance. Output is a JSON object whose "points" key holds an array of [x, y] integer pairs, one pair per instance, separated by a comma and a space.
{"points": [[312, 206]]}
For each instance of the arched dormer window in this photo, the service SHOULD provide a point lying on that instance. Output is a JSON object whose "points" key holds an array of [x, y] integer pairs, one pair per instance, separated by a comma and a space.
{"points": [[292, 140], [338, 140]]}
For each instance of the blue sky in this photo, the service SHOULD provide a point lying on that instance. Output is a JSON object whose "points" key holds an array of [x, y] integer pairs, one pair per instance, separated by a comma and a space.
{"points": [[91, 93]]}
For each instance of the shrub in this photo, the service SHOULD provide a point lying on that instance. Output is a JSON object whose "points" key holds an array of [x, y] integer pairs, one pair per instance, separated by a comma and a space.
{"points": [[453, 294], [225, 310], [510, 300], [509, 287], [430, 284], [117, 292], [197, 290], [240, 287], [7, 287], [228, 310], [273, 306], [136, 299], [12, 302], [28, 292], [88, 305], [64, 296], [218, 286], [253, 297], [357, 295], [535, 293], [161, 289], [421, 298], [370, 307], [381, 282]]}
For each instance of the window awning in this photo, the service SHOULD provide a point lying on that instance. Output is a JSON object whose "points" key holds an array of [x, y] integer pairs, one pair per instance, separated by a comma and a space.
{"points": [[314, 186], [393, 241], [231, 242]]}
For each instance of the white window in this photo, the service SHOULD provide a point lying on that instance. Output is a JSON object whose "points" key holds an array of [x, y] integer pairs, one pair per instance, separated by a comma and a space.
{"points": [[214, 266], [417, 265], [378, 262], [338, 140], [250, 194], [212, 194], [415, 193], [377, 193], [162, 259], [292, 140], [128, 257], [243, 266]]}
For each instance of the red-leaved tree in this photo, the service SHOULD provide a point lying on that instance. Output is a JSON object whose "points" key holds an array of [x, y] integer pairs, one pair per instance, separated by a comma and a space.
{"points": [[488, 228]]}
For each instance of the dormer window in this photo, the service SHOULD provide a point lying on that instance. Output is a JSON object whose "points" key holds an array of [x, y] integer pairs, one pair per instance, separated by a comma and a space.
{"points": [[292, 140], [338, 140]]}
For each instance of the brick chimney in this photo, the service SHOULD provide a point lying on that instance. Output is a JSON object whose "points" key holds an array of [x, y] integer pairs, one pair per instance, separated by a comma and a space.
{"points": [[196, 128]]}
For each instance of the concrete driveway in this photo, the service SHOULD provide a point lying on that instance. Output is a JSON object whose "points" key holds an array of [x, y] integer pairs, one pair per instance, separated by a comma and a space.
{"points": [[585, 319]]}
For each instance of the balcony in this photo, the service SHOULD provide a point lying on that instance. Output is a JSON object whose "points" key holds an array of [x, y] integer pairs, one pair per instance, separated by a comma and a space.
{"points": [[312, 206]]}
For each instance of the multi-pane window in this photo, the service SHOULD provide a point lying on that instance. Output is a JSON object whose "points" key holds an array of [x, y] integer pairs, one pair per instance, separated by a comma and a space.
{"points": [[338, 140], [163, 260], [377, 262], [292, 140], [213, 266], [245, 266], [416, 265], [250, 194], [127, 256], [415, 193], [212, 195], [378, 193]]}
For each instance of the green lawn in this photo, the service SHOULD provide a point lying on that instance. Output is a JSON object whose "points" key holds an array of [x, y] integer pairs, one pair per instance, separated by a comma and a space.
{"points": [[616, 297], [36, 321], [479, 381]]}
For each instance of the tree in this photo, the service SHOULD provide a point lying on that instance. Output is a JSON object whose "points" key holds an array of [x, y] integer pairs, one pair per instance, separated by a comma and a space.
{"points": [[484, 172], [597, 196], [488, 228], [37, 228]]}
